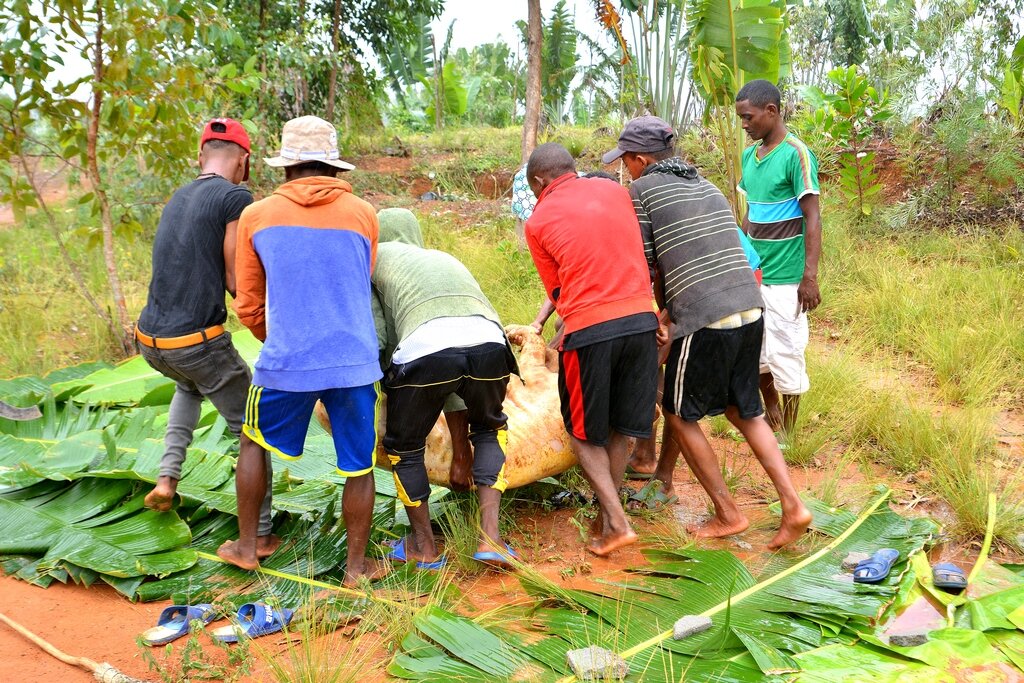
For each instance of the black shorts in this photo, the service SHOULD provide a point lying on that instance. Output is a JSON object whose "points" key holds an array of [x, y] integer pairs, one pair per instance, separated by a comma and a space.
{"points": [[609, 385], [712, 369]]}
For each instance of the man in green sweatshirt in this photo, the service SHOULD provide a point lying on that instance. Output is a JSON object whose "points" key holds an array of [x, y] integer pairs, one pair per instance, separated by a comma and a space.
{"points": [[439, 337]]}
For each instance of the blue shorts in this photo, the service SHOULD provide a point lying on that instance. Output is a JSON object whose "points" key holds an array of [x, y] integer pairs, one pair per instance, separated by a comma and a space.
{"points": [[278, 421]]}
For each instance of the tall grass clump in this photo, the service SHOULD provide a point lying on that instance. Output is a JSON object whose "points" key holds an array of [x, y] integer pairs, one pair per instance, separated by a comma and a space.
{"points": [[839, 392], [316, 652], [506, 274], [949, 301], [45, 321]]}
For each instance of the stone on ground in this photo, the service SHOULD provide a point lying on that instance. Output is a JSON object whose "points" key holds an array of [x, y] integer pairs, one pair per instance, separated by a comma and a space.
{"points": [[908, 638], [853, 559], [596, 664], [690, 625]]}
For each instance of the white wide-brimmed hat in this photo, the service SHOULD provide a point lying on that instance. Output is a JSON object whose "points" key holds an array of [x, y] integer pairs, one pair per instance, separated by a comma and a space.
{"points": [[308, 138]]}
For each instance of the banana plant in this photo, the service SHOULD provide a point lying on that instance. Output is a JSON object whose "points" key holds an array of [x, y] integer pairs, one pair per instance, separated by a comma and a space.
{"points": [[732, 42]]}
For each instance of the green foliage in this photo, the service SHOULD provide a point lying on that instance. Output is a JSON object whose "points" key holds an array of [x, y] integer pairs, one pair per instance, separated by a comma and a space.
{"points": [[757, 625], [849, 115], [494, 77], [732, 42], [963, 168]]}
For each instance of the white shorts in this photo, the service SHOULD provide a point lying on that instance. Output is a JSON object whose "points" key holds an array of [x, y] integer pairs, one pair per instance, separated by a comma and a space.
{"points": [[785, 340]]}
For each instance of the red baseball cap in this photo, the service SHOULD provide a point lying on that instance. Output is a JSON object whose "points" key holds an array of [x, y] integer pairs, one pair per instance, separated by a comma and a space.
{"points": [[227, 129]]}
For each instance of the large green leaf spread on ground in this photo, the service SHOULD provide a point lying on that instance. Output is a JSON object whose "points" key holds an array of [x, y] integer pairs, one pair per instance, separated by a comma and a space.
{"points": [[71, 489]]}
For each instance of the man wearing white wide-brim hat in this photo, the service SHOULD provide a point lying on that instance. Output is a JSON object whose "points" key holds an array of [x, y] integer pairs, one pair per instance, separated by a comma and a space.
{"points": [[303, 266]]}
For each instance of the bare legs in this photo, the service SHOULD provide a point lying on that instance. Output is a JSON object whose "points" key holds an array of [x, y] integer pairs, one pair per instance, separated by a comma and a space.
{"points": [[461, 472], [250, 488], [728, 518], [781, 415], [250, 485], [604, 468]]}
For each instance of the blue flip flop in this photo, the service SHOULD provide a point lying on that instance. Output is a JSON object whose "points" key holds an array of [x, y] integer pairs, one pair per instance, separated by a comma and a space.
{"points": [[397, 554], [949, 577], [176, 621], [496, 559], [255, 619], [877, 567]]}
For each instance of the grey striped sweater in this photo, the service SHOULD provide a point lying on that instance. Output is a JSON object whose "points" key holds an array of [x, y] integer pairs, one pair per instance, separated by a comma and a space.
{"points": [[690, 237]]}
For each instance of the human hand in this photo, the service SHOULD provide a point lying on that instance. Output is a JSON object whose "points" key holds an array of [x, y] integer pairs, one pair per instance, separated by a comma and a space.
{"points": [[808, 295], [538, 327]]}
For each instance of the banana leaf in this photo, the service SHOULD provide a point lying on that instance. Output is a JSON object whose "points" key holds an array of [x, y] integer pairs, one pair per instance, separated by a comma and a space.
{"points": [[96, 525], [133, 382], [759, 627]]}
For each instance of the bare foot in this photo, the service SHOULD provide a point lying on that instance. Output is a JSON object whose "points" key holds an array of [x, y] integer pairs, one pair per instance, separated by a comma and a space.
{"points": [[232, 554], [719, 528], [267, 545], [372, 570], [793, 527], [597, 526], [162, 496], [609, 543]]}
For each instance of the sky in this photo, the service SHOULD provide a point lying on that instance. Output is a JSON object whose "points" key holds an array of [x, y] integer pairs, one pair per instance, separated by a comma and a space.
{"points": [[476, 22], [479, 22]]}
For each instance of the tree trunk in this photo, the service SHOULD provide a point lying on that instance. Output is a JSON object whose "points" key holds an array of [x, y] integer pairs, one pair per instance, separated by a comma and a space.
{"points": [[332, 87], [76, 272], [531, 119], [438, 114], [93, 170]]}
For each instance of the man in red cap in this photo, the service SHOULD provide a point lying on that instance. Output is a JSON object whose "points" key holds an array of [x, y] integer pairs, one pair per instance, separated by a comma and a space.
{"points": [[181, 331]]}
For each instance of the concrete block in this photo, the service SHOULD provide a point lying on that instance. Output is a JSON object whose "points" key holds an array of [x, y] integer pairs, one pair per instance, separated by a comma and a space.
{"points": [[853, 559], [690, 625], [908, 638], [597, 664]]}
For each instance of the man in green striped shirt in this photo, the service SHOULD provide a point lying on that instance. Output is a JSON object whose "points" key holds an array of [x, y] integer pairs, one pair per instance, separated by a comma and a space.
{"points": [[783, 221]]}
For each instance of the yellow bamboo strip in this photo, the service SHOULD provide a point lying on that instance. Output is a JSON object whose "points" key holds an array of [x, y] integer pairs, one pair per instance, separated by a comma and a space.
{"points": [[986, 545], [650, 642], [307, 581]]}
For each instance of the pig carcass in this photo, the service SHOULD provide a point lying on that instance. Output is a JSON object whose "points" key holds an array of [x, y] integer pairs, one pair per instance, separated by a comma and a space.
{"points": [[538, 445]]}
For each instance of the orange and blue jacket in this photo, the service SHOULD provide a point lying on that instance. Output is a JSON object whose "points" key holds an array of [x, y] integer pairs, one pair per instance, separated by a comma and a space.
{"points": [[302, 267]]}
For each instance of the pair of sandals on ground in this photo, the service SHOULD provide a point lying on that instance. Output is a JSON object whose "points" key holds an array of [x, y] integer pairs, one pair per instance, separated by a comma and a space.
{"points": [[253, 619], [492, 558], [945, 575]]}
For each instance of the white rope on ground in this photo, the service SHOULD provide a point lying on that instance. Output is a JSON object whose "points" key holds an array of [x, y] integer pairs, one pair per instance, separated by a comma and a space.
{"points": [[105, 673]]}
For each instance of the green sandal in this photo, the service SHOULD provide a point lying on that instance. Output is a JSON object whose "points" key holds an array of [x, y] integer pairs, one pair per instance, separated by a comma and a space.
{"points": [[650, 498]]}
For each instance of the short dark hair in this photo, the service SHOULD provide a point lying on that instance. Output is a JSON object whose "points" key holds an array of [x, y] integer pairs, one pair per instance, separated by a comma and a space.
{"points": [[662, 155], [760, 93], [550, 160], [216, 145]]}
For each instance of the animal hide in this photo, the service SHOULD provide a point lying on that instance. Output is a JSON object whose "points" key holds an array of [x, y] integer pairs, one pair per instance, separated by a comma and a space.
{"points": [[538, 445]]}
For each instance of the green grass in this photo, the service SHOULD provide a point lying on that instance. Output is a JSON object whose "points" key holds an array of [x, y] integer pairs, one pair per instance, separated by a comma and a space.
{"points": [[46, 323], [950, 302]]}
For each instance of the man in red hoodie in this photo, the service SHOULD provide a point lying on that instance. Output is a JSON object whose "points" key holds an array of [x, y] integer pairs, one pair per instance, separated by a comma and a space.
{"points": [[585, 240]]}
